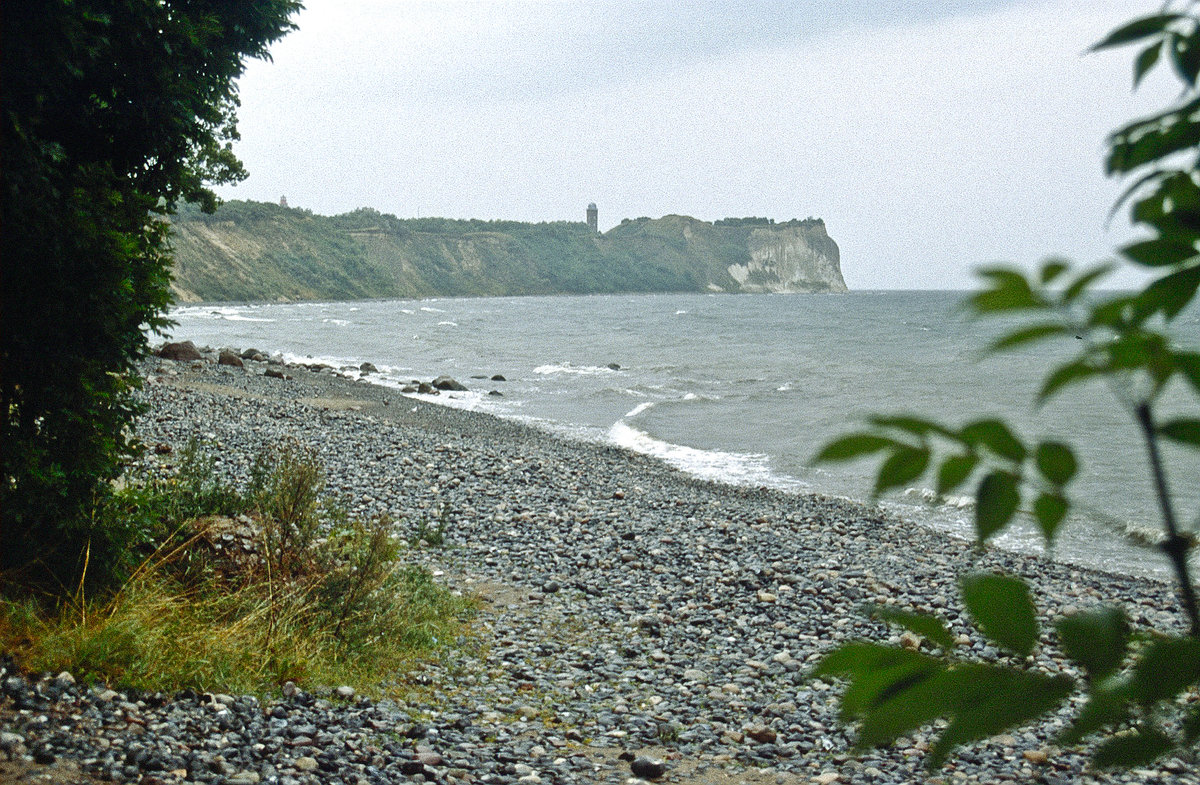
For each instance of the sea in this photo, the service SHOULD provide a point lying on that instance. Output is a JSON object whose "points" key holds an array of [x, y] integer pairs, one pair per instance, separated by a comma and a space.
{"points": [[745, 389]]}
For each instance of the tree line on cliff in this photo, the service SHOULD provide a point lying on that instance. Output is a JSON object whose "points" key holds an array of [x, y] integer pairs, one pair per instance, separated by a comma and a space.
{"points": [[261, 251]]}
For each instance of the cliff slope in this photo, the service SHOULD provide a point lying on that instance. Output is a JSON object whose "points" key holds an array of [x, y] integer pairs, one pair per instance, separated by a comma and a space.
{"points": [[258, 251]]}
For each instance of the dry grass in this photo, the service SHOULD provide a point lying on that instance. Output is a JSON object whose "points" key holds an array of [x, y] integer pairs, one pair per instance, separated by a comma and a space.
{"points": [[317, 599]]}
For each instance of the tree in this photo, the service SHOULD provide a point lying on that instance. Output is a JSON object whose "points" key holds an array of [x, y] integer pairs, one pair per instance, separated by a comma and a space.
{"points": [[1141, 686], [113, 112]]}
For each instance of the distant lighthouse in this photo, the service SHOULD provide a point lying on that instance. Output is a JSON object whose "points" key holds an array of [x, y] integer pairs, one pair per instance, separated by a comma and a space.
{"points": [[591, 217]]}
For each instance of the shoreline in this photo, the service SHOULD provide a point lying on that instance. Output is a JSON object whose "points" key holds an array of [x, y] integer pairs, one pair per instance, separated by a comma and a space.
{"points": [[626, 605]]}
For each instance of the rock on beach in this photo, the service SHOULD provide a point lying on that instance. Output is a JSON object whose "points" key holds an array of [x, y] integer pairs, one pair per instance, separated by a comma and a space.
{"points": [[674, 622]]}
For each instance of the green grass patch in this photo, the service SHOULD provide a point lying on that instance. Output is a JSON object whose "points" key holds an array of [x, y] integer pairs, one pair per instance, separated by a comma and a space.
{"points": [[289, 589]]}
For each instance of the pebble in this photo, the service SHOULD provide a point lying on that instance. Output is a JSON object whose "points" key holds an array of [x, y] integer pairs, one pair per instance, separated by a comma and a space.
{"points": [[670, 620]]}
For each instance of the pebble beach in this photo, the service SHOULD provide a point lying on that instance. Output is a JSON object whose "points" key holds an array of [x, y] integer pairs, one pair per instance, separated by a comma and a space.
{"points": [[635, 623]]}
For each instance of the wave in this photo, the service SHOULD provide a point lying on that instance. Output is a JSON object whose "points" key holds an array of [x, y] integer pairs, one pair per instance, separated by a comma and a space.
{"points": [[228, 314], [447, 324], [934, 499], [338, 322], [578, 370], [641, 407], [427, 309], [730, 468]]}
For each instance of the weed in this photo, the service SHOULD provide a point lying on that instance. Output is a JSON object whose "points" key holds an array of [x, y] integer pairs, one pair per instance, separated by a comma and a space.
{"points": [[317, 596], [430, 534]]}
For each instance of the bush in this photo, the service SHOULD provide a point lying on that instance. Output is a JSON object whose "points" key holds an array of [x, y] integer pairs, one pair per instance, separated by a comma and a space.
{"points": [[296, 591], [113, 112]]}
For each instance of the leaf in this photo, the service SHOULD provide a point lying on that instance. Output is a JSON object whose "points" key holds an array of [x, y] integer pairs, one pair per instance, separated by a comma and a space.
{"points": [[996, 436], [876, 673], [1165, 668], [954, 472], [992, 698], [1108, 704], [1162, 252], [1171, 294], [1153, 139], [1003, 610], [1191, 724], [1010, 291], [915, 425], [1145, 61], [1081, 284], [1052, 269], [1136, 30], [853, 446], [904, 465], [1185, 430], [910, 704], [1050, 509], [1097, 639], [1132, 748], [996, 502], [923, 624], [1184, 56], [1188, 363], [1031, 334], [1063, 376], [1056, 462]]}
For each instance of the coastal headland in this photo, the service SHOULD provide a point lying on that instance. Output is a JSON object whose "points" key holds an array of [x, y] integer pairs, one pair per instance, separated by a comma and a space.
{"points": [[266, 252], [626, 610]]}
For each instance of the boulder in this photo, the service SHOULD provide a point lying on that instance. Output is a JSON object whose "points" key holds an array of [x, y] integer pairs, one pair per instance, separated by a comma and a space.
{"points": [[648, 768], [368, 368], [229, 357], [274, 373], [447, 383], [183, 351], [499, 378], [425, 388], [613, 367], [250, 354]]}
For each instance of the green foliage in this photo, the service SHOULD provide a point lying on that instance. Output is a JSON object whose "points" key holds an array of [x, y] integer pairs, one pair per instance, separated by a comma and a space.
{"points": [[112, 113], [328, 603], [256, 251], [1138, 684], [426, 532]]}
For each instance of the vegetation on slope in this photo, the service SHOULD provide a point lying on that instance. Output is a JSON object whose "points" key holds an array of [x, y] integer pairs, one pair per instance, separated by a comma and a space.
{"points": [[257, 251]]}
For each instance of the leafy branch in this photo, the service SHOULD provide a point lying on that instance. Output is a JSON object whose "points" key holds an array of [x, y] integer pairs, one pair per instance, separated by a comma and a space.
{"points": [[1141, 685]]}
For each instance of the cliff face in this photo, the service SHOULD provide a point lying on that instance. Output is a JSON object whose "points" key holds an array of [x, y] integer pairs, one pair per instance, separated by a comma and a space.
{"points": [[256, 251], [790, 259]]}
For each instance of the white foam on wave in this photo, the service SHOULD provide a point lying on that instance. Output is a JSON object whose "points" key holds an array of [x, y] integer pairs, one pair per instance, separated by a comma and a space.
{"points": [[239, 313], [427, 309], [641, 407], [680, 312], [933, 498], [338, 322], [578, 370], [730, 468], [447, 324], [785, 387]]}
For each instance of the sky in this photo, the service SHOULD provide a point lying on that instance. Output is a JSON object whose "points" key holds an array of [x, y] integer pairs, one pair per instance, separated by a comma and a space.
{"points": [[933, 138]]}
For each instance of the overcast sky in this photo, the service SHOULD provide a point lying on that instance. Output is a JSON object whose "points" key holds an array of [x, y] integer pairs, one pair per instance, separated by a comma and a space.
{"points": [[932, 137]]}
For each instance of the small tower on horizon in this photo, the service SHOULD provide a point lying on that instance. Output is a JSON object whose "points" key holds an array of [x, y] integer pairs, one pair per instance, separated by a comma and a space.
{"points": [[283, 201], [591, 217]]}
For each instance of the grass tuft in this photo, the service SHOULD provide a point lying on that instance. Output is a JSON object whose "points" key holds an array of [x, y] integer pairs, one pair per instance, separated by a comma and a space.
{"points": [[290, 589]]}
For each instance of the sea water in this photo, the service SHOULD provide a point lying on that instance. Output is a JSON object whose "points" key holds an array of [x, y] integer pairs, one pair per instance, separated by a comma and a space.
{"points": [[746, 388]]}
